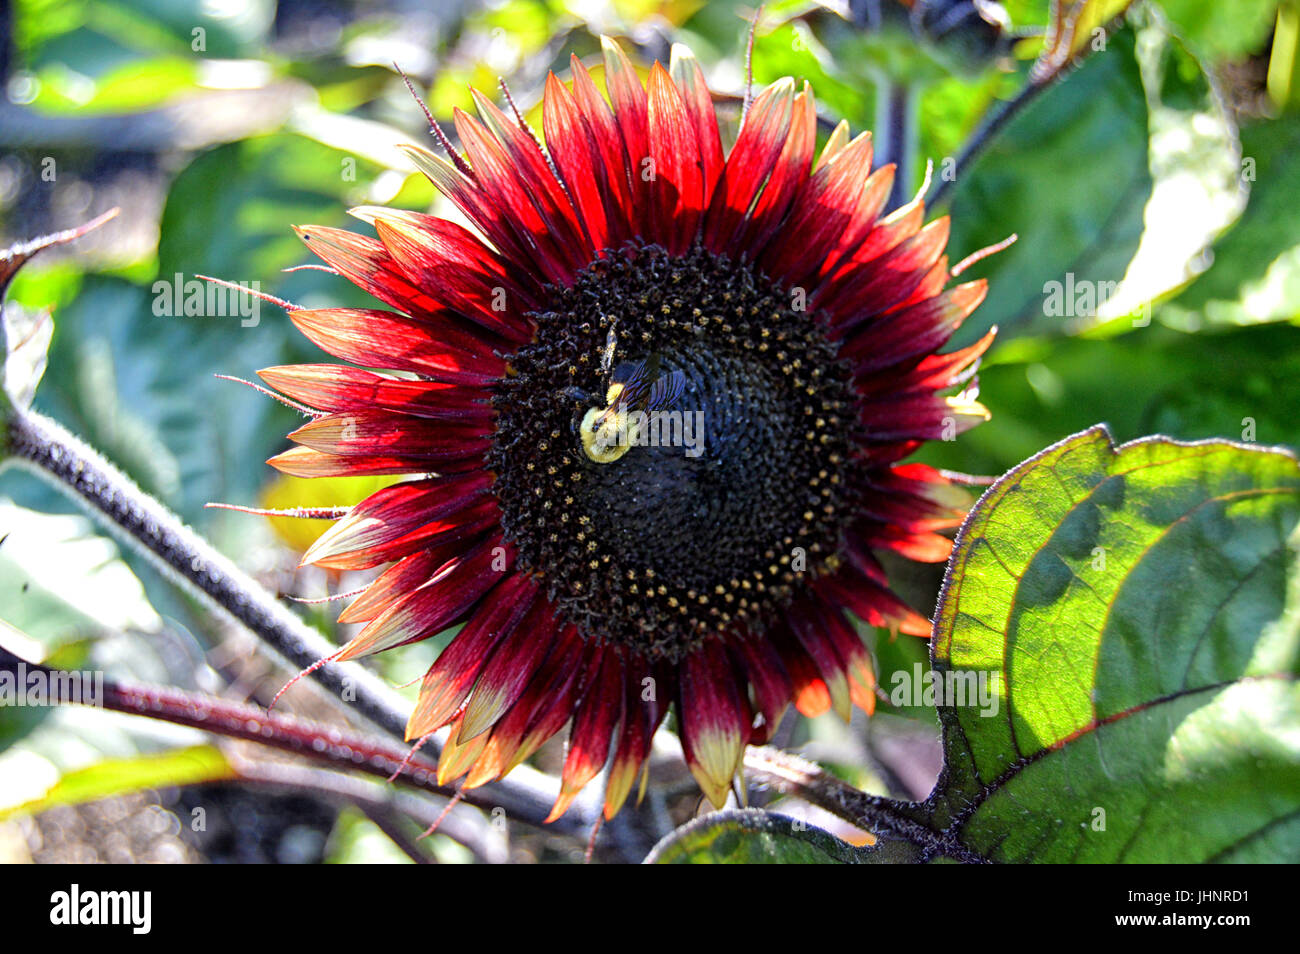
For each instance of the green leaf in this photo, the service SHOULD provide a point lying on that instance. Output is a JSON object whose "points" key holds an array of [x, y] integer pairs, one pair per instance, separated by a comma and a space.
{"points": [[68, 599], [1131, 606], [92, 37], [752, 836], [1222, 30], [1070, 176], [258, 188], [1194, 157], [1255, 275], [188, 766]]}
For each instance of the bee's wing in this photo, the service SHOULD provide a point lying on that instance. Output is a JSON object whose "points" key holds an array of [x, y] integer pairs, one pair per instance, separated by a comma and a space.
{"points": [[666, 391], [636, 378]]}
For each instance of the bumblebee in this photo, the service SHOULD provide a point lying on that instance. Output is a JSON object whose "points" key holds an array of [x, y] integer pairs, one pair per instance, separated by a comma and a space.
{"points": [[633, 390]]}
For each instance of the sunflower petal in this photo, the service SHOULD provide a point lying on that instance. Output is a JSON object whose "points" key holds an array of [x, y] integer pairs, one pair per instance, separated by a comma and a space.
{"points": [[714, 721], [449, 680], [594, 722]]}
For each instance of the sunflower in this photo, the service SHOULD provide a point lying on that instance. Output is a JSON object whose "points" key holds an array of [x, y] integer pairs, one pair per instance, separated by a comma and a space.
{"points": [[653, 411]]}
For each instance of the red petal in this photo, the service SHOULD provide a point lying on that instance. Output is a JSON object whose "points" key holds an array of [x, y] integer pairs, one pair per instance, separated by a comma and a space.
{"points": [[805, 623], [757, 149], [788, 179], [835, 212], [442, 601], [457, 269], [897, 226], [449, 679], [597, 715], [714, 720], [306, 462], [397, 520], [513, 665], [921, 416], [394, 583], [419, 440], [919, 546], [935, 280], [551, 689], [336, 387], [811, 697], [381, 339], [500, 187], [873, 604], [457, 757], [535, 173], [573, 147], [631, 110], [677, 189], [548, 702], [614, 158], [944, 370], [854, 296], [907, 511], [492, 219], [770, 683], [688, 76], [854, 656], [641, 716], [367, 264], [916, 330]]}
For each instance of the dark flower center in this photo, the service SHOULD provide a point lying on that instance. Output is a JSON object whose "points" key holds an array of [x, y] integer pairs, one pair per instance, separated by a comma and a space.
{"points": [[728, 489]]}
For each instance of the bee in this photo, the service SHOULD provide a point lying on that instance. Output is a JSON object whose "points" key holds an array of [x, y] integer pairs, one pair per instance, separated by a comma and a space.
{"points": [[633, 390]]}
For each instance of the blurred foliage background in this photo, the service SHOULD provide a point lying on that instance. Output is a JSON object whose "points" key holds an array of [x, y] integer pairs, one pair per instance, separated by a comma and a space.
{"points": [[1163, 173]]}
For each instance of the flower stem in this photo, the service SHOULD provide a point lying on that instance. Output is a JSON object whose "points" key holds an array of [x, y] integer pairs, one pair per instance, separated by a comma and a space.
{"points": [[896, 134]]}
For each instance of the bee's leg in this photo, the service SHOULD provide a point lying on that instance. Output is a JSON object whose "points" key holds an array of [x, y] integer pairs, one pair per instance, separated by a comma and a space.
{"points": [[578, 394]]}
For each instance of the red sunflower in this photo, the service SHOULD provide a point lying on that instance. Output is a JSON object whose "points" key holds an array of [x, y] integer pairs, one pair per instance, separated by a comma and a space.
{"points": [[653, 412]]}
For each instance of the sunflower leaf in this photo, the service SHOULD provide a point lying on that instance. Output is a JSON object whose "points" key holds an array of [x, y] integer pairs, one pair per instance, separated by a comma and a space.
{"points": [[1137, 610]]}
